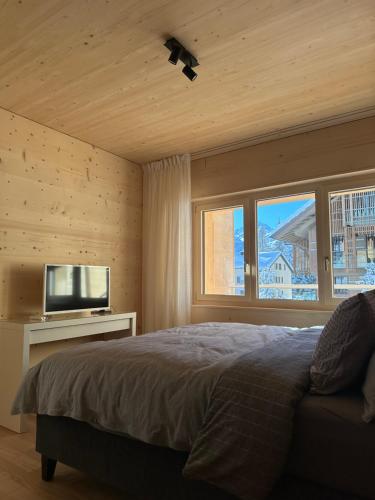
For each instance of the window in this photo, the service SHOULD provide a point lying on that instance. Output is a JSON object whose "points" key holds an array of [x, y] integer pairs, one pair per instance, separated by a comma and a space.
{"points": [[299, 247], [61, 281], [352, 227], [286, 228], [93, 282], [224, 251]]}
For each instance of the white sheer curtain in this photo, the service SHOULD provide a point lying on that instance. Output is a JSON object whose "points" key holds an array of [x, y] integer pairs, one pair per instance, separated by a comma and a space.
{"points": [[167, 237]]}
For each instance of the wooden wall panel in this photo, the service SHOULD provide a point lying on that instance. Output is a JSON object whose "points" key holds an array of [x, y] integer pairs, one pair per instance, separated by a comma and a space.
{"points": [[98, 70], [341, 149], [330, 151], [64, 201]]}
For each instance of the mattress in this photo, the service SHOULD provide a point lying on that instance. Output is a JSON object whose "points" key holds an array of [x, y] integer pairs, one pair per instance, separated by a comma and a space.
{"points": [[332, 445]]}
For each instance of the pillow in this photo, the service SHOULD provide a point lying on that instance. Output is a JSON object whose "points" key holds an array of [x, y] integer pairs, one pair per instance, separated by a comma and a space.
{"points": [[368, 390], [345, 345]]}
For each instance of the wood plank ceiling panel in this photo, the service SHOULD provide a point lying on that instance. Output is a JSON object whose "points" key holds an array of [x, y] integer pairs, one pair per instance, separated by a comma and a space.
{"points": [[97, 69]]}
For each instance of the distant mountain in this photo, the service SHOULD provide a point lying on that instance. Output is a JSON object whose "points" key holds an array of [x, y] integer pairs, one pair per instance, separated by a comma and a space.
{"points": [[265, 243], [268, 228]]}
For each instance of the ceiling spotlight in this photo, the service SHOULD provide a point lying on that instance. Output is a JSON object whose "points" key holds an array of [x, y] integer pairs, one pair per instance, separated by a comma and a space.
{"points": [[190, 73], [175, 55], [179, 53]]}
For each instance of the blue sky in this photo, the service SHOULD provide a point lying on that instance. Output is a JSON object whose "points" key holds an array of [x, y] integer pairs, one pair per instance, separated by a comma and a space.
{"points": [[238, 218], [272, 215]]}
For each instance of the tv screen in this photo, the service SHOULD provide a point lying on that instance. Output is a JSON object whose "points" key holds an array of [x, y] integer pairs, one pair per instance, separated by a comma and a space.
{"points": [[70, 288]]}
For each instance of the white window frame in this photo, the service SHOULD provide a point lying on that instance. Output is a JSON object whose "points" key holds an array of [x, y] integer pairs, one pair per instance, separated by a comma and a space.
{"points": [[357, 182], [284, 303], [198, 251], [248, 200]]}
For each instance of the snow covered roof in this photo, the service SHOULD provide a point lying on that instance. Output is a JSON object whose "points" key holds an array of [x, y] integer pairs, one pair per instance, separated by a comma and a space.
{"points": [[266, 259], [296, 227]]}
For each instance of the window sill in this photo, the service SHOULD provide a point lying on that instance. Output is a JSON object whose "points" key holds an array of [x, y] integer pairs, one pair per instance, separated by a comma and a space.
{"points": [[224, 313], [263, 308]]}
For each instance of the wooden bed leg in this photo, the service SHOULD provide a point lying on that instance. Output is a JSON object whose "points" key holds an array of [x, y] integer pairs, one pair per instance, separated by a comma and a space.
{"points": [[48, 468]]}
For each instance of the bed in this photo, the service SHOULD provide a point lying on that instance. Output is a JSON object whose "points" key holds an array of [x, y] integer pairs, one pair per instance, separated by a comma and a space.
{"points": [[331, 457], [332, 445], [204, 411]]}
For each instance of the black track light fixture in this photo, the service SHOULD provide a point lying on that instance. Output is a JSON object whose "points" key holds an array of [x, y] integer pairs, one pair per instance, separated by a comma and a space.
{"points": [[175, 55], [179, 53], [190, 73]]}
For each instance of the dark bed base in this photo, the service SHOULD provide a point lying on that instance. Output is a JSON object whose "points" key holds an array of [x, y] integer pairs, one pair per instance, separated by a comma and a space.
{"points": [[142, 471]]}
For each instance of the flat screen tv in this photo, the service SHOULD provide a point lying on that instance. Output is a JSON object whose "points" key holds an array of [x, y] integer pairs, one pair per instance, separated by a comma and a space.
{"points": [[69, 288]]}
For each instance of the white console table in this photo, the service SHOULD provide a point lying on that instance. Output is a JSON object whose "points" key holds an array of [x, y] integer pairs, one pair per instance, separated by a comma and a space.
{"points": [[17, 336]]}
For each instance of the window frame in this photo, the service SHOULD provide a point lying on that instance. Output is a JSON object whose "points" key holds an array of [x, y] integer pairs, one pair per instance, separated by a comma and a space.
{"points": [[280, 192], [347, 184], [248, 200], [198, 250]]}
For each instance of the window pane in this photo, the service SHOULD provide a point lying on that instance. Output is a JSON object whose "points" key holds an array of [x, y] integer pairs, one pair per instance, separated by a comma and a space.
{"points": [[60, 281], [352, 223], [224, 252], [287, 259]]}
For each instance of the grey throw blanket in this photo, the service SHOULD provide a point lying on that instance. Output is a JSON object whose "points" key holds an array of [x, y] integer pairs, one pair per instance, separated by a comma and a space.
{"points": [[244, 442], [224, 392]]}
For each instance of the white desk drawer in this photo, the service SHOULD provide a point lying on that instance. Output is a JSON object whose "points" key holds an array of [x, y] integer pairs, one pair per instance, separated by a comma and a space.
{"points": [[75, 331]]}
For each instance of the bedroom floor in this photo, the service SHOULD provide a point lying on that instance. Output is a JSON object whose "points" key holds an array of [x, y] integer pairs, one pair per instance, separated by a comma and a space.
{"points": [[20, 477]]}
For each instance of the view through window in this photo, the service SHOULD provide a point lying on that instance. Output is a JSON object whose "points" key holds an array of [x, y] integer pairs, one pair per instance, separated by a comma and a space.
{"points": [[352, 224], [287, 257], [224, 251]]}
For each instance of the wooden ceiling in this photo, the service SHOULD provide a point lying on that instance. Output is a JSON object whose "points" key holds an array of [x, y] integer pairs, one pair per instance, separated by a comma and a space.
{"points": [[98, 70]]}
